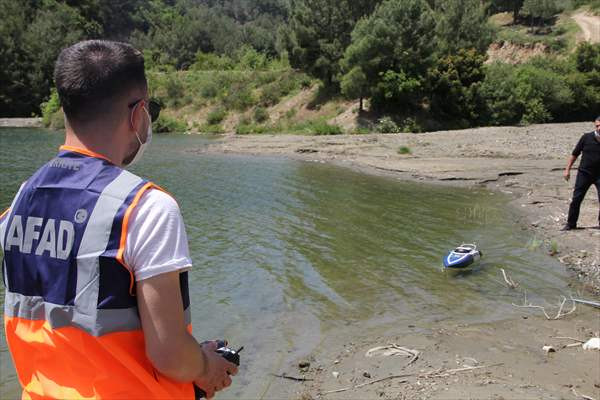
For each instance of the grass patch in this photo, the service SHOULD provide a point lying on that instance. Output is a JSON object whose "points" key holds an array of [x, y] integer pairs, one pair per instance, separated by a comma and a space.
{"points": [[211, 128], [404, 150], [315, 127], [310, 127]]}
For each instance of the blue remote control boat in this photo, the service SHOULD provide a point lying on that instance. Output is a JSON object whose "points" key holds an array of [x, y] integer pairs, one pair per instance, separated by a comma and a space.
{"points": [[462, 256]]}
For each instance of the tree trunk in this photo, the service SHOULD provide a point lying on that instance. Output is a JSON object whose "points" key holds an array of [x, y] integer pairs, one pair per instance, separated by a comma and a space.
{"points": [[360, 107]]}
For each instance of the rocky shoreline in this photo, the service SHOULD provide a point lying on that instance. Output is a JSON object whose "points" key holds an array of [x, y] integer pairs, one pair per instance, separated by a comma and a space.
{"points": [[525, 162]]}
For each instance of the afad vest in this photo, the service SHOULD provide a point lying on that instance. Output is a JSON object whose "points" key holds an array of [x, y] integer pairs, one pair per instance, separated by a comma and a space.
{"points": [[70, 311]]}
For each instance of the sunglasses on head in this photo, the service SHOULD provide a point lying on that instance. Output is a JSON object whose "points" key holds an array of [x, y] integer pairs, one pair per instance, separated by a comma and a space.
{"points": [[153, 108]]}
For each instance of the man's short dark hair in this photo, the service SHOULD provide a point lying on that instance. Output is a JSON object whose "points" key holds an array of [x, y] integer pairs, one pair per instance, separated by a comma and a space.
{"points": [[91, 74], [598, 119]]}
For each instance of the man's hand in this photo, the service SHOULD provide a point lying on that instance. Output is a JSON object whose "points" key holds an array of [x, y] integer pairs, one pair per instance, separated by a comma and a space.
{"points": [[170, 347], [567, 174], [217, 373]]}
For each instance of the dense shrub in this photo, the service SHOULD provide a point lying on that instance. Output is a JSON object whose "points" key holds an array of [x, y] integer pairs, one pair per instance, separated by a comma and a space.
{"points": [[216, 116], [166, 124], [211, 62], [57, 121], [534, 92], [50, 107], [454, 84], [261, 114], [239, 97], [315, 127], [175, 90], [209, 90], [323, 128], [272, 93], [387, 125]]}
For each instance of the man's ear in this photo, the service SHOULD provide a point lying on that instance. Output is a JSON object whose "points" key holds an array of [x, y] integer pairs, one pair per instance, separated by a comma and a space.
{"points": [[135, 119]]}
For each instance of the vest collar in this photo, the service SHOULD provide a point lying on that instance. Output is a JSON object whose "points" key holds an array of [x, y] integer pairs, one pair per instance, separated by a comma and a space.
{"points": [[85, 152]]}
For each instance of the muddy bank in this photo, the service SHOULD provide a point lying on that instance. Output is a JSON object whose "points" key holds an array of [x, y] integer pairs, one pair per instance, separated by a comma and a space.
{"points": [[501, 360], [526, 162]]}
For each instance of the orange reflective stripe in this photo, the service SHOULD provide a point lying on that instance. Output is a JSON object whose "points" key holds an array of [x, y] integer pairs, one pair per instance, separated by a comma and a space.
{"points": [[84, 152], [4, 213], [125, 228]]}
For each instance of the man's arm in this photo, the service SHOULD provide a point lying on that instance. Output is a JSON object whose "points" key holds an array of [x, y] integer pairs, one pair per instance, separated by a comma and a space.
{"points": [[170, 347], [567, 173], [576, 152]]}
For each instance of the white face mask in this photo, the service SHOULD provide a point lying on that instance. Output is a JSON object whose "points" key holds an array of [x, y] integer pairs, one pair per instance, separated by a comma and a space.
{"points": [[143, 146]]}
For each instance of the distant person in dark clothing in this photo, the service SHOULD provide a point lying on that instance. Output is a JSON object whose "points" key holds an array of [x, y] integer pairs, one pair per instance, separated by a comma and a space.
{"points": [[588, 173]]}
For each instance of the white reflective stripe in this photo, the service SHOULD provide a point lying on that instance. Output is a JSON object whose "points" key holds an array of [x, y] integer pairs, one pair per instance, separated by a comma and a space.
{"points": [[5, 222], [59, 316], [94, 242]]}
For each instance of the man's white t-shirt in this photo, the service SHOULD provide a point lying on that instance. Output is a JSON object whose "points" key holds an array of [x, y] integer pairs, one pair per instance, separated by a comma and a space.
{"points": [[156, 239]]}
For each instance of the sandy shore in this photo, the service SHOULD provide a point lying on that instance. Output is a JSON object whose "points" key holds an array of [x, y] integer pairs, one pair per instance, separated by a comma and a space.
{"points": [[20, 122], [502, 360], [526, 162]]}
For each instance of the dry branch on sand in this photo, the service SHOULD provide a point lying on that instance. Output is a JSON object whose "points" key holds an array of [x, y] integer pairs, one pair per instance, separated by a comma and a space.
{"points": [[581, 396], [511, 284], [428, 375], [559, 314], [292, 378]]}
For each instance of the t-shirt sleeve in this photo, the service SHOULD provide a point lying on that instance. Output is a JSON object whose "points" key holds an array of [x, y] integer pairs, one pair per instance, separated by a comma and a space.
{"points": [[156, 238], [579, 147]]}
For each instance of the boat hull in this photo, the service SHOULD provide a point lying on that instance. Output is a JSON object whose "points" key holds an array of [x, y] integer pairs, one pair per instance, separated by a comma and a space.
{"points": [[453, 260]]}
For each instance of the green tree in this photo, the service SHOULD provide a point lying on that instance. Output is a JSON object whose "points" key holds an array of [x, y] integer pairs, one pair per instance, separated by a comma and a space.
{"points": [[54, 27], [533, 92], [393, 48], [540, 10], [462, 24], [587, 57], [455, 82], [354, 85], [14, 96], [32, 36], [320, 31]]}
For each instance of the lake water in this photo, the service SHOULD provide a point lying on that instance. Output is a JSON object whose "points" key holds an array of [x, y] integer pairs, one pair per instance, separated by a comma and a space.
{"points": [[287, 252]]}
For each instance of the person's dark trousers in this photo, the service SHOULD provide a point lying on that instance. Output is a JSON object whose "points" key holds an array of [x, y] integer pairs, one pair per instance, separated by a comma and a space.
{"points": [[582, 184]]}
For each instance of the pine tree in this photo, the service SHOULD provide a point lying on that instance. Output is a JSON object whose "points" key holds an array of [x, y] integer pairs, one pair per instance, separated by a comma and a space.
{"points": [[541, 10], [320, 32], [393, 50], [462, 24]]}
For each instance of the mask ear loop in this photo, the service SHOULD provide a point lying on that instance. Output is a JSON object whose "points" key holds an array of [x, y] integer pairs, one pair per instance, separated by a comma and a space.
{"points": [[131, 115]]}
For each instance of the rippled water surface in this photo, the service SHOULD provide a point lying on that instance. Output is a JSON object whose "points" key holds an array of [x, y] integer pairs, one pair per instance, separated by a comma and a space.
{"points": [[287, 252]]}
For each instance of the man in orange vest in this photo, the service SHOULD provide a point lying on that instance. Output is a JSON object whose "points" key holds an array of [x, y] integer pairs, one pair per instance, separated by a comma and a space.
{"points": [[96, 258]]}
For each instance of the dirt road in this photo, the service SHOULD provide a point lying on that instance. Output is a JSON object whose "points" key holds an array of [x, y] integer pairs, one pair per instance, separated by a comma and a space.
{"points": [[590, 25]]}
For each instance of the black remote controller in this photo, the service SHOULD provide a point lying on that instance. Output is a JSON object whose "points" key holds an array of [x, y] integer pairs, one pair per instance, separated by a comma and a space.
{"points": [[233, 356]]}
